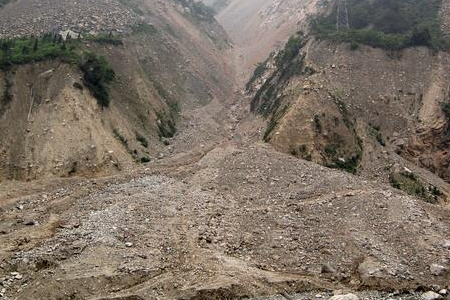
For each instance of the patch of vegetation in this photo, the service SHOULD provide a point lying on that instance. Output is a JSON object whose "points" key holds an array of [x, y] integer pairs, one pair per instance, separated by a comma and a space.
{"points": [[317, 124], [386, 24], [302, 152], [123, 140], [145, 159], [171, 31], [377, 134], [354, 45], [120, 138], [142, 140], [257, 73], [338, 160], [348, 164], [7, 93], [73, 168], [289, 63], [274, 122], [290, 51], [26, 50], [166, 125], [411, 184], [97, 75], [144, 28], [330, 150]]}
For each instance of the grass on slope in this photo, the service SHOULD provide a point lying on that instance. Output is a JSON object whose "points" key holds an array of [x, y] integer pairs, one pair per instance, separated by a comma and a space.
{"points": [[97, 73], [387, 24], [26, 50]]}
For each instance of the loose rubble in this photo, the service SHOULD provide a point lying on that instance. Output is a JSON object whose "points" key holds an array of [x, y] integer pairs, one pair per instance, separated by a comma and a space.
{"points": [[36, 17], [248, 215]]}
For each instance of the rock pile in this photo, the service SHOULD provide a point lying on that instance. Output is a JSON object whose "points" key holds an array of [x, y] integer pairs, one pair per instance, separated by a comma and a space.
{"points": [[25, 18]]}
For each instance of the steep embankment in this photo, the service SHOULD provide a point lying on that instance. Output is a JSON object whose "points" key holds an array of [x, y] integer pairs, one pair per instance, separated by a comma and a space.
{"points": [[170, 57]]}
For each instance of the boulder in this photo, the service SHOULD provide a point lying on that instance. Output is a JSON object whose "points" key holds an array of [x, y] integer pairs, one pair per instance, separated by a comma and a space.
{"points": [[345, 297], [437, 270], [430, 296]]}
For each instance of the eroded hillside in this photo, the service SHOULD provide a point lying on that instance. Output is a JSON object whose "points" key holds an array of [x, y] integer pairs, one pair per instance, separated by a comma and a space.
{"points": [[331, 99], [166, 58]]}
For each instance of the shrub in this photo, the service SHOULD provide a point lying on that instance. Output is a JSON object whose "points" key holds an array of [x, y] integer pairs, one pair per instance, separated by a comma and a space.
{"points": [[142, 140], [317, 124], [166, 125], [145, 159], [411, 184], [349, 165], [7, 94], [97, 75], [120, 138]]}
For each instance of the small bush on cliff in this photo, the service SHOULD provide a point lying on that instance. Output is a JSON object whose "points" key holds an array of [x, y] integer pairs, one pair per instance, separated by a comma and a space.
{"points": [[97, 74]]}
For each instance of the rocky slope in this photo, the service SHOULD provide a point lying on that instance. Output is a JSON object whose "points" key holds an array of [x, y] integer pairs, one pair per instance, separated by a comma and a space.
{"points": [[171, 58], [357, 108], [225, 223]]}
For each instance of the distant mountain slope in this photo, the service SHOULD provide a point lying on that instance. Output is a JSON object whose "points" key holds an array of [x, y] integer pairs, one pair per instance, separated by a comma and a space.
{"points": [[258, 27]]}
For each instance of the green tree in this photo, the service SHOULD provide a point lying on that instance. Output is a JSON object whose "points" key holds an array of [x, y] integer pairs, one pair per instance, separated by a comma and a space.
{"points": [[35, 46]]}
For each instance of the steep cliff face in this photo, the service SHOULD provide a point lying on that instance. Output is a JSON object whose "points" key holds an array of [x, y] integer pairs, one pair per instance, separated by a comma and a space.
{"points": [[171, 59]]}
